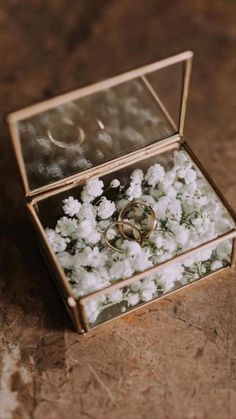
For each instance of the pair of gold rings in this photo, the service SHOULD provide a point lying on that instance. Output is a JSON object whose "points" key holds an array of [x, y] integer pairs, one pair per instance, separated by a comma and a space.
{"points": [[136, 221]]}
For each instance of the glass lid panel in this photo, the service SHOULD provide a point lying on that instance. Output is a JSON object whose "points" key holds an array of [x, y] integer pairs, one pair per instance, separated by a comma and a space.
{"points": [[99, 127]]}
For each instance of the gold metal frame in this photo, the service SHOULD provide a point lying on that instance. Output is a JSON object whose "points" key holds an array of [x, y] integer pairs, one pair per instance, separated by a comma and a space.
{"points": [[76, 307]]}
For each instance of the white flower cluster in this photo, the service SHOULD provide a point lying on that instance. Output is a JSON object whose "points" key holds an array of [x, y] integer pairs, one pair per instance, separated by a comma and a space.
{"points": [[188, 211], [166, 279]]}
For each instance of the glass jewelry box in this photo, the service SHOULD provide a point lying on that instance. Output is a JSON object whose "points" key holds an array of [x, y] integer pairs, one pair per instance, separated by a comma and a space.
{"points": [[125, 212]]}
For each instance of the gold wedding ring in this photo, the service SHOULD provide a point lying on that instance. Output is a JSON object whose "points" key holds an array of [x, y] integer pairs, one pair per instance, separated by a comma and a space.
{"points": [[144, 231], [135, 230]]}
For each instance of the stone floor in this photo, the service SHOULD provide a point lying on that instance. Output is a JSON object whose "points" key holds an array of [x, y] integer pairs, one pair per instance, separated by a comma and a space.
{"points": [[176, 359]]}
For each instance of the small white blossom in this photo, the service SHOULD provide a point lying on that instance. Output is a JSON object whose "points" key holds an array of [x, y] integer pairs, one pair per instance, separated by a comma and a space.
{"points": [[223, 251], [85, 228], [57, 242], [182, 173], [141, 261], [203, 200], [116, 296], [171, 274], [217, 264], [92, 189], [92, 257], [122, 203], [103, 224], [203, 255], [175, 209], [171, 192], [137, 176], [87, 212], [85, 197], [92, 310], [181, 159], [148, 289], [115, 183], [121, 269], [189, 261], [111, 233], [94, 237], [90, 282], [87, 231], [66, 227], [106, 208], [158, 239], [155, 174], [71, 206], [134, 190], [178, 185], [65, 259], [162, 206], [224, 225], [166, 184], [181, 234], [133, 299], [132, 247], [191, 188], [190, 176]]}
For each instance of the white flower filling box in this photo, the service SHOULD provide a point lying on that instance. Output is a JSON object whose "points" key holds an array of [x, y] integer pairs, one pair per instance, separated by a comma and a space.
{"points": [[113, 148]]}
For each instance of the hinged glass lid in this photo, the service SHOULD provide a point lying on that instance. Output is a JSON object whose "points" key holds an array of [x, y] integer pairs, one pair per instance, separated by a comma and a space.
{"points": [[60, 138]]}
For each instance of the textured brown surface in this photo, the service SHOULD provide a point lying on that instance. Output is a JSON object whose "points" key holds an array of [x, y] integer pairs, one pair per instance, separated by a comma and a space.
{"points": [[176, 359]]}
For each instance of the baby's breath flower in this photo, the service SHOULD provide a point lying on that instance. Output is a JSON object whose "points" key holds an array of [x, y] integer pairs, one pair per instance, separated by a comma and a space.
{"points": [[134, 190], [65, 259], [132, 247], [66, 227], [121, 269], [86, 230], [181, 159], [155, 174], [71, 206], [223, 251], [161, 207], [92, 257], [181, 233], [141, 261], [115, 183], [148, 289], [116, 296], [190, 176], [106, 208], [137, 176], [170, 275], [217, 264], [57, 242], [87, 212], [133, 299], [92, 189], [92, 308]]}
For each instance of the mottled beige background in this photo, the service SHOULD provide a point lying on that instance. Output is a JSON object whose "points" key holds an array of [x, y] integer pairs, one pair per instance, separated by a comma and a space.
{"points": [[177, 359]]}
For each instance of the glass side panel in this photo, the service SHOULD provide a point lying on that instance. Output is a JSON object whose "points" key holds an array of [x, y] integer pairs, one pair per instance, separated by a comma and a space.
{"points": [[105, 307], [163, 83], [99, 127], [168, 204]]}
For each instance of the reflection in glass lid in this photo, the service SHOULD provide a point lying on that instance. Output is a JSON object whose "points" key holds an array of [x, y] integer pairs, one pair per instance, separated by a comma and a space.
{"points": [[99, 125], [60, 138]]}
